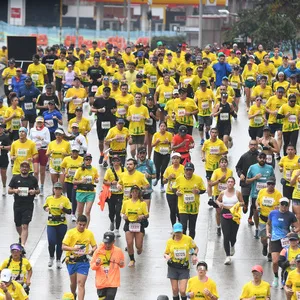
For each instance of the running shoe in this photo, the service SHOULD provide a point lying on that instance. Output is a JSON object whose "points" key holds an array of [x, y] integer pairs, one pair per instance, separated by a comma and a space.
{"points": [[117, 233], [4, 191], [112, 226], [269, 257], [227, 261], [50, 262], [105, 164], [131, 264], [162, 189], [155, 182], [202, 142], [42, 191], [275, 282], [58, 264], [207, 135], [101, 159], [250, 222], [256, 234], [232, 251], [265, 250], [74, 219], [218, 231]]}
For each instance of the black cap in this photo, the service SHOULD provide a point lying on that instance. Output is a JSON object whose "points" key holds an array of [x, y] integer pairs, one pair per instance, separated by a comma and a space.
{"points": [[165, 70], [87, 155], [119, 121], [108, 237], [203, 82], [182, 130], [182, 90], [266, 128], [202, 263], [262, 154], [264, 77], [135, 187], [297, 258], [293, 237], [139, 75], [271, 179], [107, 89], [2, 125], [78, 108], [49, 86], [51, 102], [141, 149], [189, 166], [224, 95]]}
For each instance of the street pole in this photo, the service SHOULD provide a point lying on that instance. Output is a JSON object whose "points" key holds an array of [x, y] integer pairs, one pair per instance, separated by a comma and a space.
{"points": [[60, 20], [200, 24], [128, 20], [77, 24]]}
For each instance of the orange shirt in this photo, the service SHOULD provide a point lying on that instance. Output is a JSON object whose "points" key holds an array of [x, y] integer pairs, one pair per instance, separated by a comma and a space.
{"points": [[108, 274]]}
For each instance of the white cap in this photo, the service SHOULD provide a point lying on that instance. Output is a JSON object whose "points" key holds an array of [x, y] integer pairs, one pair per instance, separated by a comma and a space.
{"points": [[59, 130], [6, 275], [284, 199], [175, 91], [75, 148], [175, 154], [234, 45]]}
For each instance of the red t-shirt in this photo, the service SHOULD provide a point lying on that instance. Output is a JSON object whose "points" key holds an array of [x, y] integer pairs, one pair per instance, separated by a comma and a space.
{"points": [[178, 139]]}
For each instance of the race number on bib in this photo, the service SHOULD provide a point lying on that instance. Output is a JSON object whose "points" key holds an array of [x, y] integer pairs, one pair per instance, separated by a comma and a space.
{"points": [[23, 191], [77, 101], [22, 152], [149, 122], [35, 77], [288, 174], [292, 118], [81, 249], [164, 150], [267, 201], [28, 106], [167, 95], [269, 159], [127, 191], [121, 111], [258, 120], [214, 150], [224, 116], [188, 198], [181, 112], [105, 125], [71, 172], [234, 85], [49, 123], [9, 81], [222, 186], [179, 253], [260, 185], [136, 118], [56, 162], [285, 242], [38, 144], [88, 179], [135, 227], [94, 88], [205, 105], [153, 78], [15, 123]]}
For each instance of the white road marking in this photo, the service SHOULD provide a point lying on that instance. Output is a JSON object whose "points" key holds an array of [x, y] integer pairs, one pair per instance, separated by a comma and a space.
{"points": [[37, 252], [210, 250]]}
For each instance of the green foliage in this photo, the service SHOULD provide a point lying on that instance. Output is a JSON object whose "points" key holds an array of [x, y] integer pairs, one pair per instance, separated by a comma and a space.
{"points": [[269, 22]]}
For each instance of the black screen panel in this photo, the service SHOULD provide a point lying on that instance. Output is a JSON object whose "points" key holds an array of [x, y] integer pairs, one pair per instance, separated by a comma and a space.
{"points": [[21, 47]]}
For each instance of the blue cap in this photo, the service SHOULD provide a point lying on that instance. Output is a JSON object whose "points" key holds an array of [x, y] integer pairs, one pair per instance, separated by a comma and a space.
{"points": [[28, 78], [115, 81], [140, 54], [225, 78], [177, 227], [23, 129]]}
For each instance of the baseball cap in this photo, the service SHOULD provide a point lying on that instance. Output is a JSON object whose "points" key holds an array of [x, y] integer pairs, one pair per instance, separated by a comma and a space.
{"points": [[119, 121], [293, 236], [224, 95], [135, 187], [221, 54], [68, 296], [140, 54], [2, 125], [25, 162], [78, 108], [115, 81], [162, 297], [39, 119], [271, 179], [175, 91], [159, 43], [182, 129], [49, 86], [75, 125], [249, 62], [189, 166], [108, 237], [6, 275], [203, 82], [69, 64], [177, 227], [264, 77], [19, 69], [225, 78], [284, 200], [202, 263], [59, 131], [182, 90], [266, 128], [175, 154], [28, 79], [12, 61], [75, 148], [16, 246], [238, 52], [51, 102], [107, 89], [142, 149], [57, 185], [257, 268], [23, 129], [297, 258], [139, 75], [116, 157], [262, 154], [87, 155]]}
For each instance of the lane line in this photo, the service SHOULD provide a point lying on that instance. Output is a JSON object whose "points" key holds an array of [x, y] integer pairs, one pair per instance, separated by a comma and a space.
{"points": [[37, 252]]}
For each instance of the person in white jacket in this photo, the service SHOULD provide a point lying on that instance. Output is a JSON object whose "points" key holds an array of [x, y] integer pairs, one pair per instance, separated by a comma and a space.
{"points": [[78, 140], [40, 135]]}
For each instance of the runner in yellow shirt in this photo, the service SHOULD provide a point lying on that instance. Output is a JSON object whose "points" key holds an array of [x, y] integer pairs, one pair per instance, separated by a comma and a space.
{"points": [[266, 68], [7, 75], [38, 72], [83, 123], [249, 77], [292, 284], [139, 87], [295, 182], [123, 102], [263, 90]]}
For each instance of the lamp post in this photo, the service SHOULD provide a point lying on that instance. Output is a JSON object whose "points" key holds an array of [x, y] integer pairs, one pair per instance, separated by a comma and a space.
{"points": [[200, 24]]}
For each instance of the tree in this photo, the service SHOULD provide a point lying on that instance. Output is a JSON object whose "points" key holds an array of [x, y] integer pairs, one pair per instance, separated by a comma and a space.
{"points": [[269, 22]]}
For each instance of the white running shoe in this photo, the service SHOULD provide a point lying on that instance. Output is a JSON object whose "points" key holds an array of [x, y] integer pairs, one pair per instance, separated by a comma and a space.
{"points": [[117, 233], [50, 263], [58, 264], [227, 261], [232, 251], [74, 219]]}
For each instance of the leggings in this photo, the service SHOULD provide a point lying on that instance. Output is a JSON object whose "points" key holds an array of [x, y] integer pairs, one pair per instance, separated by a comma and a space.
{"points": [[71, 193], [290, 137], [161, 163], [229, 229], [107, 293], [173, 205], [114, 208], [55, 237], [191, 219]]}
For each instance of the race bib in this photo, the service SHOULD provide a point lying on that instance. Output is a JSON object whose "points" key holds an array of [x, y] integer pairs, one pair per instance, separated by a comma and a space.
{"points": [[23, 191], [260, 185], [46, 102], [267, 201], [88, 179], [269, 159], [181, 112], [188, 198], [21, 277], [81, 250], [56, 162], [71, 172], [224, 116], [258, 120], [120, 138], [214, 150], [105, 125], [297, 295], [135, 227], [22, 152], [113, 188], [285, 242], [16, 124], [127, 191], [167, 95], [49, 66], [205, 105], [264, 101], [164, 150], [35, 77], [292, 118], [9, 81], [28, 106], [49, 123], [172, 72], [179, 253], [94, 88], [187, 80], [222, 186], [77, 101], [1, 119], [60, 72], [153, 78], [83, 73], [288, 174], [136, 118], [121, 111], [149, 122], [234, 85]]}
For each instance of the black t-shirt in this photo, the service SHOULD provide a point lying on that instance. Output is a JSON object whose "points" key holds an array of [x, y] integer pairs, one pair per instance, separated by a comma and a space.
{"points": [[95, 73], [152, 127], [49, 59], [43, 100], [25, 184], [4, 141], [109, 104]]}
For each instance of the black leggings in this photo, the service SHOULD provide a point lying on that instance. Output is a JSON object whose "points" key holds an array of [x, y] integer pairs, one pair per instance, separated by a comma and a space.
{"points": [[114, 207], [173, 205], [191, 219], [71, 194], [290, 137], [107, 293], [230, 230], [161, 163]]}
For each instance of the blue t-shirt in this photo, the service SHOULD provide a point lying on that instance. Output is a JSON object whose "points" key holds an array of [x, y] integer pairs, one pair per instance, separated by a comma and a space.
{"points": [[147, 166], [256, 185], [50, 123], [280, 224]]}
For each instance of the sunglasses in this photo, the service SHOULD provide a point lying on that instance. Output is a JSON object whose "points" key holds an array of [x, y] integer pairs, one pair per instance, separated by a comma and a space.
{"points": [[284, 204], [292, 101], [253, 144], [270, 183], [87, 159], [260, 100]]}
